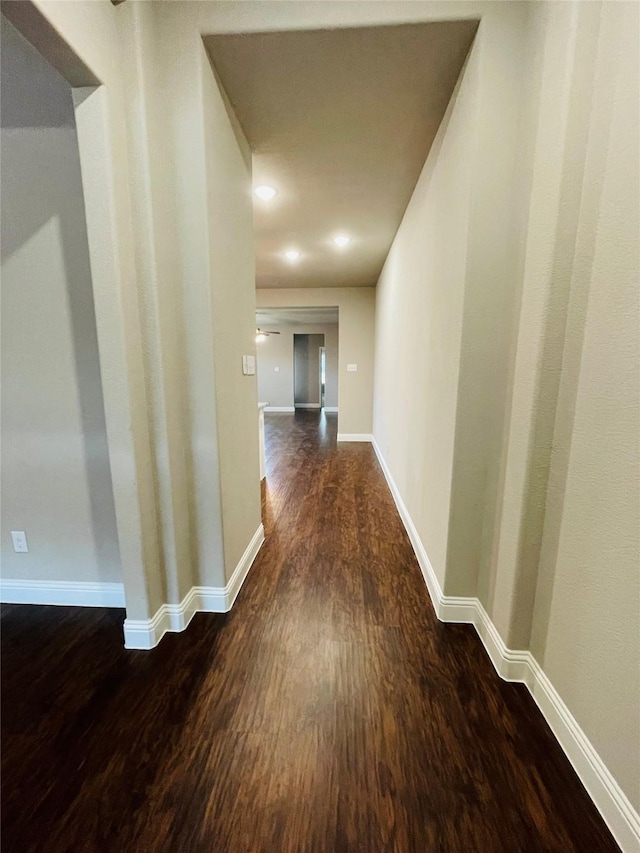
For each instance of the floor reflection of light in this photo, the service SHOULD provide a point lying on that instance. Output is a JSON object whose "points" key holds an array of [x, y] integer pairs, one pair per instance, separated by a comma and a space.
{"points": [[322, 426]]}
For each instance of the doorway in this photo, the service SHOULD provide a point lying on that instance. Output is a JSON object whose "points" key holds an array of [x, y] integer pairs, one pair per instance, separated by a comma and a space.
{"points": [[306, 370], [297, 359], [323, 376]]}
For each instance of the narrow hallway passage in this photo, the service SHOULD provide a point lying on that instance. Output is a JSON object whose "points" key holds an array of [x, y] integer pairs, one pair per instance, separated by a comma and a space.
{"points": [[328, 711]]}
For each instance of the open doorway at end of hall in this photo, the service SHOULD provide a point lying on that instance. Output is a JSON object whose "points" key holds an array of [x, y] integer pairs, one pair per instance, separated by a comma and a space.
{"points": [[297, 358], [309, 371]]}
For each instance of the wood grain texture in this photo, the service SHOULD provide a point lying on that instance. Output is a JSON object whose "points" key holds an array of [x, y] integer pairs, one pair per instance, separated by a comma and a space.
{"points": [[328, 711]]}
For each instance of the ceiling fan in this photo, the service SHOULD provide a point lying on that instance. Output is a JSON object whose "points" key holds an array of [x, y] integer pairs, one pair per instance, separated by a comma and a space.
{"points": [[260, 335]]}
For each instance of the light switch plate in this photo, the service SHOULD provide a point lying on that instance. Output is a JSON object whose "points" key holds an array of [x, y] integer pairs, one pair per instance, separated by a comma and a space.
{"points": [[249, 365], [19, 539], [352, 368]]}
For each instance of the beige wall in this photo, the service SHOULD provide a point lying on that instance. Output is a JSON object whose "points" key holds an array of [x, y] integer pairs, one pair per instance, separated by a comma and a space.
{"points": [[56, 482], [192, 215], [83, 43], [143, 153], [445, 306], [531, 298], [233, 310], [356, 332], [586, 618], [276, 387], [565, 581], [419, 307]]}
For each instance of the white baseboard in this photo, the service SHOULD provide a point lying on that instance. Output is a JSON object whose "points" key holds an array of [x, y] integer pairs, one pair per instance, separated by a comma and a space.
{"points": [[289, 409], [147, 633], [354, 436], [520, 665], [307, 405], [423, 561], [72, 593], [331, 410], [613, 804]]}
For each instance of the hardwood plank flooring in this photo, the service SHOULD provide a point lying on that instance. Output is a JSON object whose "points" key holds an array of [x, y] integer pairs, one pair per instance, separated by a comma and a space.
{"points": [[329, 711]]}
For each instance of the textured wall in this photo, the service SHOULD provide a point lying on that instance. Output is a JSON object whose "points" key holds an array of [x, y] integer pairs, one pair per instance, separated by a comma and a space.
{"points": [[56, 482], [419, 304], [541, 520], [232, 276], [586, 623], [83, 43], [445, 309], [565, 580]]}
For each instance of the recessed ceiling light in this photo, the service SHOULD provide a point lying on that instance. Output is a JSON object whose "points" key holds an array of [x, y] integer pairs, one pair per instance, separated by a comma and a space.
{"points": [[341, 240], [292, 255], [266, 193]]}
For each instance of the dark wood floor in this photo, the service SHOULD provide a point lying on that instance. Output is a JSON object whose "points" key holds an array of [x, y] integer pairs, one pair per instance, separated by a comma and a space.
{"points": [[329, 711]]}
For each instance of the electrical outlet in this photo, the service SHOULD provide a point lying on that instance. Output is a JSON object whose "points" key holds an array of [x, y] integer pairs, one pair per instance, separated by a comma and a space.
{"points": [[351, 368], [19, 539]]}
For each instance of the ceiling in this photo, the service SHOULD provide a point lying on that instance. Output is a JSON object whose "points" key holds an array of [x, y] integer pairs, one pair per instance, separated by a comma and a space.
{"points": [[295, 316], [340, 123]]}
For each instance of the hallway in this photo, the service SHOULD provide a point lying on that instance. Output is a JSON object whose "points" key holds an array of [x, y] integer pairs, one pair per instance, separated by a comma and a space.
{"points": [[329, 711]]}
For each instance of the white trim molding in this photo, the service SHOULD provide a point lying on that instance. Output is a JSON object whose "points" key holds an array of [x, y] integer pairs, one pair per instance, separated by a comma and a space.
{"points": [[423, 561], [331, 410], [289, 409], [307, 405], [71, 593], [147, 633], [520, 665], [354, 436]]}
